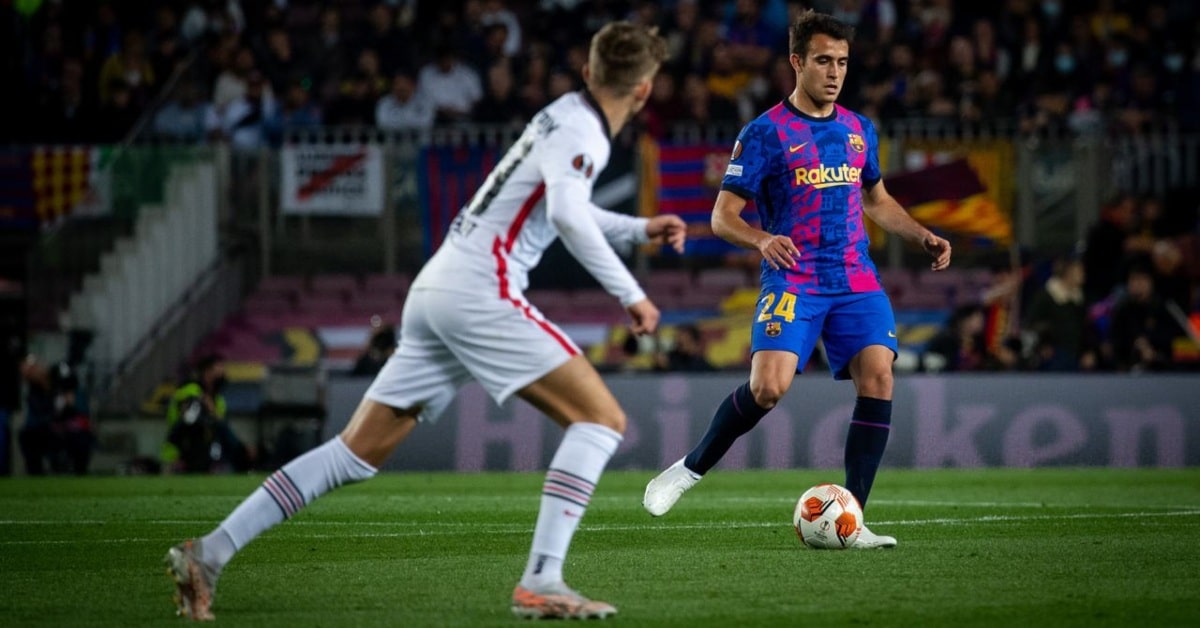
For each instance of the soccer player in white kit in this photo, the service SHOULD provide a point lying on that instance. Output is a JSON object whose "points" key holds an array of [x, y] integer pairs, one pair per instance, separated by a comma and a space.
{"points": [[466, 318]]}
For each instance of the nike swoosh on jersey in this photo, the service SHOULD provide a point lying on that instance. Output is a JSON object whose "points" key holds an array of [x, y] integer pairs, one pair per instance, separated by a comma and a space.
{"points": [[792, 149], [891, 334]]}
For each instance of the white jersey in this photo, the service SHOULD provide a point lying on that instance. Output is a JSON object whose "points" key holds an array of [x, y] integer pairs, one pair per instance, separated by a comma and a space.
{"points": [[540, 190]]}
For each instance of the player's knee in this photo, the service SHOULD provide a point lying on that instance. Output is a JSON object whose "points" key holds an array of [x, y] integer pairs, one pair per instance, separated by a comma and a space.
{"points": [[612, 419], [876, 384], [767, 394]]}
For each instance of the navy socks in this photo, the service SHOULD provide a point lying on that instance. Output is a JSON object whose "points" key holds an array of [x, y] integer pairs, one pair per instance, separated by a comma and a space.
{"points": [[735, 416], [868, 436]]}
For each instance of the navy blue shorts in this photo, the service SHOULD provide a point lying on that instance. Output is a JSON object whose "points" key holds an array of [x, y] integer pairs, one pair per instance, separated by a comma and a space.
{"points": [[848, 323]]}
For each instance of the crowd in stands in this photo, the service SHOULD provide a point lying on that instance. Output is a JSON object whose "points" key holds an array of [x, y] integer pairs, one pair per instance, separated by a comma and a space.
{"points": [[87, 71], [1129, 301]]}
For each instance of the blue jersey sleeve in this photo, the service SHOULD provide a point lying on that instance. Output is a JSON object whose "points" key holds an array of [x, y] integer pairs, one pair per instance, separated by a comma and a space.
{"points": [[748, 163], [871, 174]]}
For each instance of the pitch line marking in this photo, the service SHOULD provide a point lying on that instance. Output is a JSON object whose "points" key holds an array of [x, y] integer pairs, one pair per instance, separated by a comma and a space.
{"points": [[523, 529]]}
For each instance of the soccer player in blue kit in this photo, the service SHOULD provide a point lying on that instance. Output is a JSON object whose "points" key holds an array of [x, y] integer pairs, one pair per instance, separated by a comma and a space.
{"points": [[812, 168]]}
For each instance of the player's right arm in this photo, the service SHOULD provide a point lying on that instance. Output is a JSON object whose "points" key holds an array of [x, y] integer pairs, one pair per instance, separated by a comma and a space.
{"points": [[778, 250], [749, 161]]}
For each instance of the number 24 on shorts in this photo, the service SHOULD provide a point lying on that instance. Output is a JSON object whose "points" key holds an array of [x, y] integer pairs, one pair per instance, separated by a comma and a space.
{"points": [[785, 309]]}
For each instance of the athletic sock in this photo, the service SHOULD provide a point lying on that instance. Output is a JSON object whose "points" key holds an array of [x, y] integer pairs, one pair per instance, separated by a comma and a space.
{"points": [[738, 414], [869, 429], [282, 495], [566, 492]]}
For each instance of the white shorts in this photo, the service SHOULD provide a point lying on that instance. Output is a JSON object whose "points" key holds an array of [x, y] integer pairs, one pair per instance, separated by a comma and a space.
{"points": [[447, 338]]}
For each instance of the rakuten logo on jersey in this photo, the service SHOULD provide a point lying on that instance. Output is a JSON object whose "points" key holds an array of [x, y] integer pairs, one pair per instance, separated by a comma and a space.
{"points": [[828, 176]]}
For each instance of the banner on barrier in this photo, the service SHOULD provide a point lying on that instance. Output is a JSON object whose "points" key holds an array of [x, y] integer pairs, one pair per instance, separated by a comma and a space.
{"points": [[336, 179], [937, 422]]}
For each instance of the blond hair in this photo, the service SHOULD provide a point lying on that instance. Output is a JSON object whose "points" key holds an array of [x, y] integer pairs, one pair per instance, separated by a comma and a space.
{"points": [[623, 54]]}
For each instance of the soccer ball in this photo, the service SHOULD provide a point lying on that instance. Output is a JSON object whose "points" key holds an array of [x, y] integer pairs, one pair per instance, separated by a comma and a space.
{"points": [[828, 517]]}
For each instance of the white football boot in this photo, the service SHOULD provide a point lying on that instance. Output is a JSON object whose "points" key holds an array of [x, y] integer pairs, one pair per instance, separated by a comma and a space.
{"points": [[869, 540], [663, 491]]}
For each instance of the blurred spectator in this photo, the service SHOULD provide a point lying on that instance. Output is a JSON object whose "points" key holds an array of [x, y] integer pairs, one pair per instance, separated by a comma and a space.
{"points": [[129, 66], [199, 437], [182, 118], [117, 115], [1107, 22], [299, 111], [57, 431], [368, 68], [1058, 319], [562, 81], [496, 12], [66, 114], [687, 353], [752, 40], [394, 45], [535, 76], [404, 108], [280, 63], [355, 105], [212, 17], [167, 46], [328, 54], [491, 48], [1046, 112], [958, 346], [664, 107], [1142, 329], [1105, 247], [247, 122], [233, 81], [500, 104], [701, 107], [680, 35], [727, 80], [452, 86], [380, 347]]}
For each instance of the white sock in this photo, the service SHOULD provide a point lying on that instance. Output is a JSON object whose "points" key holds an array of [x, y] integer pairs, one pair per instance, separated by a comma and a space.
{"points": [[570, 480], [282, 495]]}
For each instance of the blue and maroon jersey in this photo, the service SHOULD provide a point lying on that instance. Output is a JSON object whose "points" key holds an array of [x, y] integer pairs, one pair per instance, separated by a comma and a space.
{"points": [[806, 176]]}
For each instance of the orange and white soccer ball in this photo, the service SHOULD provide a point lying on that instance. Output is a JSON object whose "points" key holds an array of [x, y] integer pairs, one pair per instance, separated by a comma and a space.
{"points": [[828, 517]]}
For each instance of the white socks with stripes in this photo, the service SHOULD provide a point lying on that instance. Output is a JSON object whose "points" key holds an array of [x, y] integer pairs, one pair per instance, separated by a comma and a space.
{"points": [[573, 473], [282, 495]]}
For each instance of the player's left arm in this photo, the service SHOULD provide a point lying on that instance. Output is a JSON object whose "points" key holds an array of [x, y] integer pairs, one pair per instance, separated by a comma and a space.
{"points": [[622, 230], [887, 213]]}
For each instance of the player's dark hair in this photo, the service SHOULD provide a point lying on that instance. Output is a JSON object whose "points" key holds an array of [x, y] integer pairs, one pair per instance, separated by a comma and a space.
{"points": [[812, 23], [623, 54]]}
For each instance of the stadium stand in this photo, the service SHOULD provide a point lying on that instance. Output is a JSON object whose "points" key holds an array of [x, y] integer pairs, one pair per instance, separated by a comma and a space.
{"points": [[233, 78]]}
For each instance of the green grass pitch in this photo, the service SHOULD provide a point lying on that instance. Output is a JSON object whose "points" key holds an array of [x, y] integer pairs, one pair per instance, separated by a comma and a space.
{"points": [[1062, 547]]}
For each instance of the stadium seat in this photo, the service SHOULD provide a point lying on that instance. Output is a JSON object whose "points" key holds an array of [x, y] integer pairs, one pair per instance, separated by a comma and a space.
{"points": [[393, 284], [287, 285], [334, 283], [726, 278]]}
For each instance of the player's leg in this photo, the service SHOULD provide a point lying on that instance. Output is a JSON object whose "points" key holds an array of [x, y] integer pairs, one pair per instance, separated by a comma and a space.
{"points": [[860, 340], [783, 336], [510, 348], [575, 397], [418, 380], [354, 456], [871, 423]]}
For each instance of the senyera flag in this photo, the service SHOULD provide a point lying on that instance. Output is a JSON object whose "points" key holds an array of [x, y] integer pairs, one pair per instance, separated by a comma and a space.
{"points": [[951, 197]]}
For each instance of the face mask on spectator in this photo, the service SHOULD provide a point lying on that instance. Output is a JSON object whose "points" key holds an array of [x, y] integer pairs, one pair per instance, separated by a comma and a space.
{"points": [[1173, 62], [1064, 63], [1118, 58], [1051, 9]]}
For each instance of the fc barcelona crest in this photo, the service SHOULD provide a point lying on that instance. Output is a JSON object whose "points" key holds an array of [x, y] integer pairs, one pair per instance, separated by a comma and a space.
{"points": [[774, 328], [856, 142]]}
